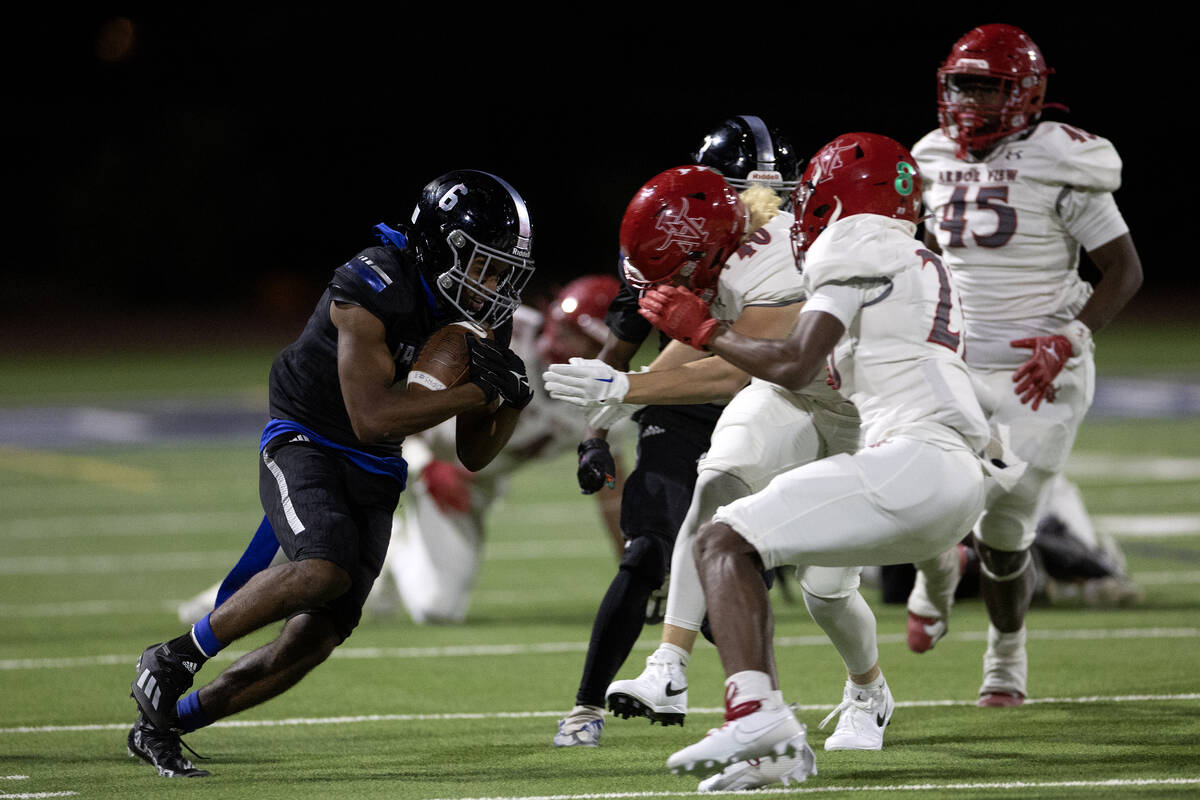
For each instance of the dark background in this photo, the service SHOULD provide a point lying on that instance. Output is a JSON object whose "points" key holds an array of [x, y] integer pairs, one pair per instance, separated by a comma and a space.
{"points": [[181, 166]]}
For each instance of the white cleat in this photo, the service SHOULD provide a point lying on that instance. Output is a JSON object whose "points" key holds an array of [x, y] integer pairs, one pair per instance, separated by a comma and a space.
{"points": [[758, 772], [764, 733], [580, 728], [865, 713], [659, 693]]}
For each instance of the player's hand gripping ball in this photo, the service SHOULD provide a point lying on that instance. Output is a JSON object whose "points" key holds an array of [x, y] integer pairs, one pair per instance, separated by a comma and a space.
{"points": [[445, 359]]}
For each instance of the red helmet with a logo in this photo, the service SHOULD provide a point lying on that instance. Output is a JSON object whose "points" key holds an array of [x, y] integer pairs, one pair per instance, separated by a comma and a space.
{"points": [[992, 85], [856, 173], [574, 323], [684, 222]]}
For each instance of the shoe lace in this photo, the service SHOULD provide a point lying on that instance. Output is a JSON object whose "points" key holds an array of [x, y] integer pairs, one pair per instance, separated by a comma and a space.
{"points": [[170, 744], [848, 702], [187, 747], [733, 712]]}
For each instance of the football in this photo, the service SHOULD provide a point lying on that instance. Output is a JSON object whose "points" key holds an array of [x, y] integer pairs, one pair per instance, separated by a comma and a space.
{"points": [[444, 359]]}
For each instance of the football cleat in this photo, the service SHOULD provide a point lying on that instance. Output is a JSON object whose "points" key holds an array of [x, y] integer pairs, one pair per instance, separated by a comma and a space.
{"points": [[161, 750], [1000, 700], [754, 731], [580, 728], [1005, 670], [865, 713], [162, 678], [758, 772], [924, 632], [659, 693]]}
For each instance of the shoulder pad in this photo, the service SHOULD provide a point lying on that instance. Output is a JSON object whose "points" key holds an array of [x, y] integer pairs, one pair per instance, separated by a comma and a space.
{"points": [[864, 247], [1070, 156]]}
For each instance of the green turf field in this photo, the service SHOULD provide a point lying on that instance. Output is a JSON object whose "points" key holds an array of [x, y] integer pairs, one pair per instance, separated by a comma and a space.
{"points": [[99, 543]]}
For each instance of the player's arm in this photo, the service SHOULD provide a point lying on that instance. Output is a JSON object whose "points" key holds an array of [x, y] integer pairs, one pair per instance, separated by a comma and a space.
{"points": [[378, 411], [679, 376], [482, 433], [792, 363], [618, 353], [697, 379], [1121, 271]]}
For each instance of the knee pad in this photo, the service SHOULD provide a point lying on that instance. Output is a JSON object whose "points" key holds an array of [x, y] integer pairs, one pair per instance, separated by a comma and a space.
{"points": [[830, 583], [1002, 565], [646, 558]]}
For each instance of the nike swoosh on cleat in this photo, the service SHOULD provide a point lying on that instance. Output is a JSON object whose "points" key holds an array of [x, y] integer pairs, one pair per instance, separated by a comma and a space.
{"points": [[880, 720], [743, 736], [671, 692]]}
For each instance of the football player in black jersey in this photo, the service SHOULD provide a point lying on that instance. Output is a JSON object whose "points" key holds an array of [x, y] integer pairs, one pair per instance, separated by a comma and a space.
{"points": [[331, 469]]}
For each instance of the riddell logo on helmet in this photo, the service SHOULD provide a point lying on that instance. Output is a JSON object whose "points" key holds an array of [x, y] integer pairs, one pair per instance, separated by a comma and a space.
{"points": [[764, 176], [685, 231]]}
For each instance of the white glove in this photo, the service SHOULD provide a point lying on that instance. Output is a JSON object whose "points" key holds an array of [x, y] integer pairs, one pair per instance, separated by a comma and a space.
{"points": [[586, 382], [606, 417]]}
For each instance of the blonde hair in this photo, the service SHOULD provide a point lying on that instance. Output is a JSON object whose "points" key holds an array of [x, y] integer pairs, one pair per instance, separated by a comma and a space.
{"points": [[762, 204]]}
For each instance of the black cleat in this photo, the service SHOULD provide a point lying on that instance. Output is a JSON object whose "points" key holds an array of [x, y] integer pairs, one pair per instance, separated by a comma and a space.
{"points": [[627, 707], [161, 750], [162, 678]]}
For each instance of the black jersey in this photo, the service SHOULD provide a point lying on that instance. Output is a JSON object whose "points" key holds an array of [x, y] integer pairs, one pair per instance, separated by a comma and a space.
{"points": [[304, 385]]}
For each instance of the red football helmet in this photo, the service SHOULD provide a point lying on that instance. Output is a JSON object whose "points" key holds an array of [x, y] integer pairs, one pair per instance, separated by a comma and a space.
{"points": [[992, 85], [684, 222], [856, 173], [574, 323]]}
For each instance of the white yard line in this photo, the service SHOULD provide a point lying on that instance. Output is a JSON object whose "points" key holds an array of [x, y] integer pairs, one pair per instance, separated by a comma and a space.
{"points": [[1102, 466], [1125, 526], [494, 650], [1011, 786], [484, 715]]}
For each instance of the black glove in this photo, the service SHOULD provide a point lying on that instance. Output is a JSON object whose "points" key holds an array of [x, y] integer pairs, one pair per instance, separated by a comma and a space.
{"points": [[596, 466], [499, 372]]}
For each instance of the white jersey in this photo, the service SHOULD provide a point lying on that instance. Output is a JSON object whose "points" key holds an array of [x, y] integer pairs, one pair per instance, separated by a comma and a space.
{"points": [[1010, 228], [900, 360], [763, 273]]}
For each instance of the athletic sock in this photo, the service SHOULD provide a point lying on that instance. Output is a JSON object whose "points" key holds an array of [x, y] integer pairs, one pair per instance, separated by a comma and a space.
{"points": [[871, 685], [204, 638], [191, 715]]}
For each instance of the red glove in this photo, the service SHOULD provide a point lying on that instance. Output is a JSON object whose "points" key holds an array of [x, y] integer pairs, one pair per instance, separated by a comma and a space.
{"points": [[449, 485], [1035, 378], [678, 313]]}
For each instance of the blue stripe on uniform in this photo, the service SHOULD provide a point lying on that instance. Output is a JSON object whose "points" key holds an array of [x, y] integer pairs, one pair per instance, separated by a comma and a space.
{"points": [[364, 271]]}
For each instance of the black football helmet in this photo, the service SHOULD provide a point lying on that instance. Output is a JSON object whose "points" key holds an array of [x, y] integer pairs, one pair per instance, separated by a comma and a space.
{"points": [[473, 240], [745, 151]]}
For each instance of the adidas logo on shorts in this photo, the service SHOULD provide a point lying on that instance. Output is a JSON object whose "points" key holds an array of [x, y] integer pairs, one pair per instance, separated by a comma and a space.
{"points": [[652, 430]]}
